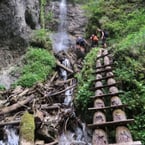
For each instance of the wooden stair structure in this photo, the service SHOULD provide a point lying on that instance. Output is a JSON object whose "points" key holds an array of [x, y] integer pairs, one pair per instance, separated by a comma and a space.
{"points": [[105, 82]]}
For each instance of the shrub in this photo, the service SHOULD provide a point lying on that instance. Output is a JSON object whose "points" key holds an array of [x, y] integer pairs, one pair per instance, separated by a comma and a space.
{"points": [[39, 65]]}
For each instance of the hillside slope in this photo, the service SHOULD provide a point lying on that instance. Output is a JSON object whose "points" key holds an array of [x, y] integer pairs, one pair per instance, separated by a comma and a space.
{"points": [[125, 22]]}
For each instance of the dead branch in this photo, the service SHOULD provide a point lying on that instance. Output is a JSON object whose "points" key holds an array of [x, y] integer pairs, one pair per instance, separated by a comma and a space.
{"points": [[16, 105], [9, 123], [57, 93], [53, 143], [58, 82], [64, 67]]}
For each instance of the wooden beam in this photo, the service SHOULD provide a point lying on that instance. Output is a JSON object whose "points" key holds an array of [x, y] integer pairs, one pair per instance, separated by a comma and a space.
{"points": [[102, 71], [108, 107], [10, 123], [104, 86], [129, 143], [103, 55], [103, 78], [106, 95], [103, 66], [110, 123]]}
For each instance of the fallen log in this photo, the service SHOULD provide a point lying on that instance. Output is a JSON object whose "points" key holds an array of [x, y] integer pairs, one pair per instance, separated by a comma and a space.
{"points": [[9, 123], [64, 67], [58, 82], [52, 143], [57, 93], [16, 105]]}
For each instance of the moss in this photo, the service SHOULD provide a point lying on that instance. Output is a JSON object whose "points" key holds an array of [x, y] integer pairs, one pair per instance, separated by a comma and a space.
{"points": [[27, 127]]}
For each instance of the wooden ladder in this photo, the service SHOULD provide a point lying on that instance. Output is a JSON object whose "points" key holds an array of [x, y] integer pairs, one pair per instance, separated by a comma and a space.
{"points": [[103, 102]]}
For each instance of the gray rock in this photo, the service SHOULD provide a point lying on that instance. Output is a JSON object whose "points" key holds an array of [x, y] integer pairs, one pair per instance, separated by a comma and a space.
{"points": [[17, 19]]}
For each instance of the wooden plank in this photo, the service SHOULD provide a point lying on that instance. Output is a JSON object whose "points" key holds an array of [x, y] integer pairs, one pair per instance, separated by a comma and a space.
{"points": [[102, 71], [103, 66], [103, 55], [107, 95], [10, 123], [108, 107], [104, 86], [109, 123], [103, 78], [129, 143]]}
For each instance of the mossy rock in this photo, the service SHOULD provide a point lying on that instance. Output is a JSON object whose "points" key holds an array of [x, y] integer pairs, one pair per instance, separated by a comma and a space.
{"points": [[27, 127]]}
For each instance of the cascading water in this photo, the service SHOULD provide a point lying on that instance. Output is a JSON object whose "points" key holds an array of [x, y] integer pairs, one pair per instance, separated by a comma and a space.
{"points": [[78, 135], [60, 39], [10, 136]]}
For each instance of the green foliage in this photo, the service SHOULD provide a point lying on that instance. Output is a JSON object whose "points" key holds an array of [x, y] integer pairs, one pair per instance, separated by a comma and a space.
{"points": [[85, 78], [39, 65], [125, 22], [130, 63], [40, 38], [42, 13], [138, 127], [119, 17], [2, 87], [49, 17]]}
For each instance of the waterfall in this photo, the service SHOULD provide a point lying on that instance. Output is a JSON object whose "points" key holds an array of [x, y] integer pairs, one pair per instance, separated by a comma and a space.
{"points": [[60, 39], [78, 135], [5, 77]]}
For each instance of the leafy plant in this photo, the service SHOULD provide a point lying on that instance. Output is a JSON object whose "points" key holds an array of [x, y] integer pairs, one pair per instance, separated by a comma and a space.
{"points": [[85, 78], [40, 38], [2, 87], [39, 65]]}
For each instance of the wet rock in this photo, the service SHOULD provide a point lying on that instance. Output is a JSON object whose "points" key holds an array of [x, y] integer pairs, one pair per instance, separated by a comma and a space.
{"points": [[76, 19]]}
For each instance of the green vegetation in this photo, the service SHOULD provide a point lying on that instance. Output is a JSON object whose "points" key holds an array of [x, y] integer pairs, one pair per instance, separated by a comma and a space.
{"points": [[85, 78], [125, 22], [40, 38], [2, 87], [42, 13], [39, 64], [27, 127]]}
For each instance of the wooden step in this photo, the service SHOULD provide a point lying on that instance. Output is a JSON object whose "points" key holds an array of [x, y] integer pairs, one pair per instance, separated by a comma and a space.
{"points": [[102, 71], [104, 86], [109, 123], [108, 107], [128, 143], [106, 95], [102, 56], [103, 78], [103, 66]]}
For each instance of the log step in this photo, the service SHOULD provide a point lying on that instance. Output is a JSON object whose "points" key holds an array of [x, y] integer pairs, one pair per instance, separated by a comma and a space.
{"points": [[106, 95], [110, 123], [103, 66], [129, 143], [104, 86], [103, 55], [102, 71], [103, 78], [108, 107]]}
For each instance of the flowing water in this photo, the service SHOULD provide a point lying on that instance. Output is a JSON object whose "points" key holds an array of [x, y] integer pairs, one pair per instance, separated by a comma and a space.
{"points": [[79, 135], [61, 40], [5, 78], [10, 136]]}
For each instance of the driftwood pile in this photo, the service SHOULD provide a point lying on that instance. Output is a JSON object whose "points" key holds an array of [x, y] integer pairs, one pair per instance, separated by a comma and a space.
{"points": [[45, 101]]}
